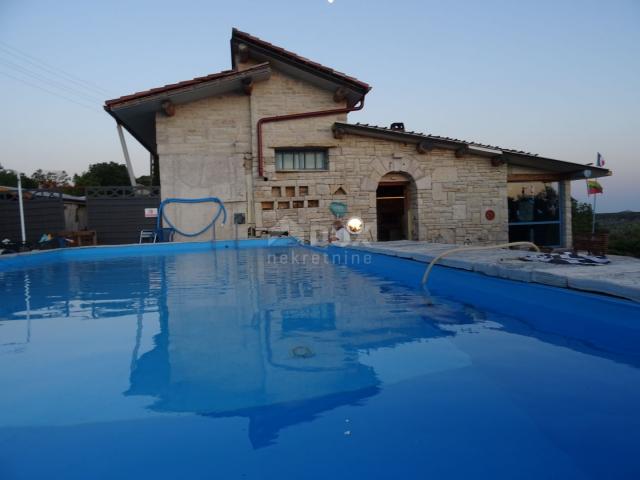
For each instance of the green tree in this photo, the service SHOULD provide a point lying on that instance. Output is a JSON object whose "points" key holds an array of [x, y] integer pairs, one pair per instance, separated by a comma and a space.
{"points": [[9, 179], [581, 217], [52, 179], [105, 174], [625, 240], [144, 180]]}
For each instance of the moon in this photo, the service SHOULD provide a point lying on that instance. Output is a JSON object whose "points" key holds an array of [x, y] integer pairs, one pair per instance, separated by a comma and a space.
{"points": [[331, 1]]}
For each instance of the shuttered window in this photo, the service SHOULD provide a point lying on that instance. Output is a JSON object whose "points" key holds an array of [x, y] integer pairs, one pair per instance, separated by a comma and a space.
{"points": [[307, 159]]}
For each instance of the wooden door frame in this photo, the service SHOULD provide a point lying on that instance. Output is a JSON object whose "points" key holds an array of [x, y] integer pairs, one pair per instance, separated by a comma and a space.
{"points": [[406, 224]]}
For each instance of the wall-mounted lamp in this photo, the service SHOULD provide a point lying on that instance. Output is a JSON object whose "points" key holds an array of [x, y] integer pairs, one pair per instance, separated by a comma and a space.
{"points": [[355, 225]]}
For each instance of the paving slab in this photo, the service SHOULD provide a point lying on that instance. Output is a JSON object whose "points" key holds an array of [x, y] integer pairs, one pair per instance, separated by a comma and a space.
{"points": [[620, 278]]}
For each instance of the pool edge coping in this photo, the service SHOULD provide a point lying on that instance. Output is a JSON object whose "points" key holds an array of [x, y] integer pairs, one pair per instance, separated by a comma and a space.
{"points": [[501, 264], [15, 261]]}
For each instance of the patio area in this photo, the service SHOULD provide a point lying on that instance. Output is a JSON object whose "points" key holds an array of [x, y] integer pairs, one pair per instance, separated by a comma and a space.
{"points": [[620, 278]]}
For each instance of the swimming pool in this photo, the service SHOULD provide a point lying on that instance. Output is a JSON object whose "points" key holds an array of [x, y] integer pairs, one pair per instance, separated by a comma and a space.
{"points": [[279, 361]]}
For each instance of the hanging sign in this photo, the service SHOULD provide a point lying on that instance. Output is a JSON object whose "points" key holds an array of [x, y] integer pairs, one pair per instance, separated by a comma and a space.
{"points": [[150, 213]]}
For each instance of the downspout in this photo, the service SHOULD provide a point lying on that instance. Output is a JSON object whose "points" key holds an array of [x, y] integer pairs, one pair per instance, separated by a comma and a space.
{"points": [[296, 116]]}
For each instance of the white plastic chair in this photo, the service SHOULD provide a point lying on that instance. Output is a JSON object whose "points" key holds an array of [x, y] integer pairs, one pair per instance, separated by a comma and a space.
{"points": [[148, 235]]}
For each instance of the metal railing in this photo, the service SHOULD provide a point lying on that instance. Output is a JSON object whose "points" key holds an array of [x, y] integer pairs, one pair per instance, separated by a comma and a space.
{"points": [[123, 192], [28, 194]]}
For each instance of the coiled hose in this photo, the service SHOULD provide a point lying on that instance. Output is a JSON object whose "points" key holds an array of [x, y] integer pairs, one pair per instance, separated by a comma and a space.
{"points": [[162, 216]]}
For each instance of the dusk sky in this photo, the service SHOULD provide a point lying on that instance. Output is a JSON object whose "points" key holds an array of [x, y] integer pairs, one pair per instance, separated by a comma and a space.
{"points": [[558, 78]]}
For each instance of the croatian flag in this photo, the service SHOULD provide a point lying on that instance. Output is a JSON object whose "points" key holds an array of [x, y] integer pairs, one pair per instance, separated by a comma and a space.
{"points": [[600, 161]]}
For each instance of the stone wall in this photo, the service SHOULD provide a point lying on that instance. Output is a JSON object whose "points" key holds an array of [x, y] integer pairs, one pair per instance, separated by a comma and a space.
{"points": [[453, 193], [202, 150], [209, 148], [283, 95]]}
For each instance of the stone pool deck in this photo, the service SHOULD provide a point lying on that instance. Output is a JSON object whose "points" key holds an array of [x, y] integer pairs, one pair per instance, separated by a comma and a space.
{"points": [[620, 278]]}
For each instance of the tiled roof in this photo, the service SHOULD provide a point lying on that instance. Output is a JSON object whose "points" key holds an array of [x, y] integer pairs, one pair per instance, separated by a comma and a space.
{"points": [[183, 84], [237, 34], [437, 137], [243, 36], [518, 157]]}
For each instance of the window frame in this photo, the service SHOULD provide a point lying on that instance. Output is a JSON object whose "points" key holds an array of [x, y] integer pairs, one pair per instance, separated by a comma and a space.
{"points": [[560, 221], [298, 150]]}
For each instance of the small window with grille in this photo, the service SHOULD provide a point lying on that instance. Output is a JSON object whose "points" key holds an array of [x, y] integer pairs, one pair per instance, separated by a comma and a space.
{"points": [[289, 159]]}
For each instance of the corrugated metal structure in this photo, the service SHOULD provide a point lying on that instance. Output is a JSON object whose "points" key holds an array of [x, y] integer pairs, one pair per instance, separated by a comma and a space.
{"points": [[43, 212], [117, 214]]}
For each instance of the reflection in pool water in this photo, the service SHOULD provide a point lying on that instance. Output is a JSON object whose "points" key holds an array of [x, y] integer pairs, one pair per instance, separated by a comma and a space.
{"points": [[238, 360], [225, 364]]}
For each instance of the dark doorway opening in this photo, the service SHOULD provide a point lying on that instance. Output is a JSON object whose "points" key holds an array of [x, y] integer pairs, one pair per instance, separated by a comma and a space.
{"points": [[392, 207]]}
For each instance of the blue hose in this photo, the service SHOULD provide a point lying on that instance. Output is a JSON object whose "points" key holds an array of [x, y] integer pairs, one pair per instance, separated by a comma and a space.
{"points": [[162, 216]]}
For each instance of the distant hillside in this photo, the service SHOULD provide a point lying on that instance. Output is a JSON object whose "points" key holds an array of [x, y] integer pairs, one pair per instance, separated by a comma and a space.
{"points": [[624, 230], [610, 220]]}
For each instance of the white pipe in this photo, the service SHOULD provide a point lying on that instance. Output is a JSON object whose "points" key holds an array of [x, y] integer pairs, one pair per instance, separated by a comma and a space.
{"points": [[21, 207], [125, 151], [425, 277]]}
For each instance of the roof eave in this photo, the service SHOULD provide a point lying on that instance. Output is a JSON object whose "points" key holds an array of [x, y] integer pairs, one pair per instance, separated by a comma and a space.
{"points": [[572, 171], [263, 71], [137, 113], [151, 147]]}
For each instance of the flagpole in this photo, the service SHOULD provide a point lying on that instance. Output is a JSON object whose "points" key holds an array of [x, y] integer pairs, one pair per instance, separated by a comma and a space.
{"points": [[593, 222]]}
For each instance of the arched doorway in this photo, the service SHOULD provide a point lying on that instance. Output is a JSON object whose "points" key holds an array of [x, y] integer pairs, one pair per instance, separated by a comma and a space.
{"points": [[396, 207]]}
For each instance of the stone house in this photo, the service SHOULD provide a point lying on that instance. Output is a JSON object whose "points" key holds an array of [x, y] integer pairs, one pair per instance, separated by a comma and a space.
{"points": [[270, 138]]}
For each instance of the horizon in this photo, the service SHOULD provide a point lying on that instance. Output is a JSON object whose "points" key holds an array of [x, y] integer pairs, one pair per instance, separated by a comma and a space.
{"points": [[556, 80]]}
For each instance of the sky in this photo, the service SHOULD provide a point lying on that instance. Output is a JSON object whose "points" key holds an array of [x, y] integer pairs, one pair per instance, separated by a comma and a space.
{"points": [[557, 78]]}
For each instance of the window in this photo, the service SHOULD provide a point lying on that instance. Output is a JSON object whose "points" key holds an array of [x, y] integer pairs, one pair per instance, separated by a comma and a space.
{"points": [[534, 213], [303, 159]]}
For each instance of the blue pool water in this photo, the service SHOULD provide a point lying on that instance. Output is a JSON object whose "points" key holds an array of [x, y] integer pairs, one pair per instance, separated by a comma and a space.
{"points": [[273, 363]]}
